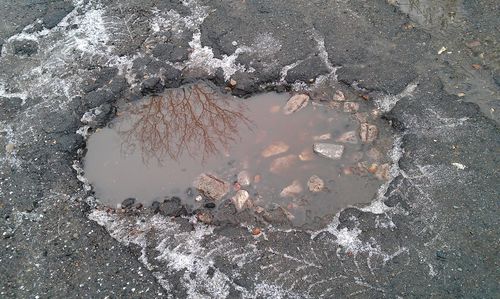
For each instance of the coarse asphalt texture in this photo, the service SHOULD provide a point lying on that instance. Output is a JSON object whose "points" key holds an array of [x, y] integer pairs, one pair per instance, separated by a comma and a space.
{"points": [[433, 232]]}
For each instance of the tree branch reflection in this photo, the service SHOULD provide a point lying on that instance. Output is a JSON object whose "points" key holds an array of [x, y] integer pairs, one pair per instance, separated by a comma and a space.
{"points": [[195, 119]]}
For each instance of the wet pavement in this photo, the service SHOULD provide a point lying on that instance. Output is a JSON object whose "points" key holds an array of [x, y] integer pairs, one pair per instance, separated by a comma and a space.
{"points": [[429, 68]]}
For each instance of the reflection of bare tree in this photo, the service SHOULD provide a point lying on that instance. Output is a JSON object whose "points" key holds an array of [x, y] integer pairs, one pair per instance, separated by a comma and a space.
{"points": [[194, 119]]}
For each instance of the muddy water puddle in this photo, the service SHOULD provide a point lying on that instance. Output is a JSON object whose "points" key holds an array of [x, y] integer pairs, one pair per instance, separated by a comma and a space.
{"points": [[275, 157]]}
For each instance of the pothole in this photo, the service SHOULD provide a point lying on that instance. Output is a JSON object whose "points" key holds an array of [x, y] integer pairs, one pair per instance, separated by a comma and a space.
{"points": [[272, 158]]}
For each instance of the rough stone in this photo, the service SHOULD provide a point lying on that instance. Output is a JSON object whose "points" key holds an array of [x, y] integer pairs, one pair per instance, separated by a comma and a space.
{"points": [[278, 215], [329, 150], [348, 137], [315, 184], [205, 217], [240, 200], [351, 107], [244, 178], [383, 172], [275, 148], [282, 163], [172, 207], [296, 103], [211, 186], [322, 137], [339, 96], [291, 190], [306, 155], [368, 133], [127, 203]]}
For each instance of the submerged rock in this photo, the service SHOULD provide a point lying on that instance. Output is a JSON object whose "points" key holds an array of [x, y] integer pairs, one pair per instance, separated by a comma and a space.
{"points": [[339, 96], [205, 217], [374, 154], [281, 164], [278, 215], [172, 207], [275, 148], [211, 186], [292, 189], [348, 137], [315, 184], [306, 155], [351, 107], [244, 178], [368, 132], [329, 150], [127, 203], [240, 200], [383, 172], [322, 137], [295, 103]]}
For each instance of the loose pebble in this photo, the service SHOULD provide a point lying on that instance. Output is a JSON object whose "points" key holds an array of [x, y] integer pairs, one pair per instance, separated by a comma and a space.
{"points": [[296, 103], [348, 137], [244, 178], [372, 168], [283, 163], [274, 149], [322, 137], [351, 107], [315, 184], [329, 150], [240, 200], [383, 172], [292, 189], [127, 203], [204, 217], [473, 44], [211, 186], [256, 231], [306, 155], [368, 132], [339, 96]]}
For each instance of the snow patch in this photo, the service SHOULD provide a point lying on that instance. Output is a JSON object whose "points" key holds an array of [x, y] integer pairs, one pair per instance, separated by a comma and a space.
{"points": [[387, 102]]}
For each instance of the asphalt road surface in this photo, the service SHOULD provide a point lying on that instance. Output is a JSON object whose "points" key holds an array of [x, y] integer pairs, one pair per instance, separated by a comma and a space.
{"points": [[431, 67]]}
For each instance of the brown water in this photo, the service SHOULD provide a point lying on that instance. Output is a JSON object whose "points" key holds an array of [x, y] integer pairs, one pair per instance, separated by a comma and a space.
{"points": [[137, 157]]}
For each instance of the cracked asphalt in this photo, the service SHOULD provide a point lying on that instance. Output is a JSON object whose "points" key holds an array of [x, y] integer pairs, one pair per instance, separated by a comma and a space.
{"points": [[432, 232]]}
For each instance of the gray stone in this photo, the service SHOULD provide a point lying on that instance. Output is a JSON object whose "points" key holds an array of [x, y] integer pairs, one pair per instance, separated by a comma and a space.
{"points": [[291, 190], [240, 200], [368, 132], [329, 150], [315, 184], [211, 186], [275, 148], [348, 137], [296, 103], [244, 178], [128, 202], [282, 163]]}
